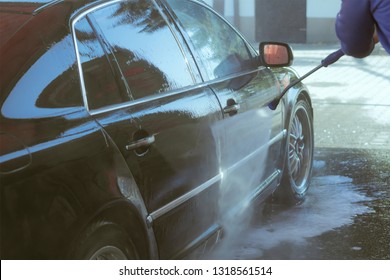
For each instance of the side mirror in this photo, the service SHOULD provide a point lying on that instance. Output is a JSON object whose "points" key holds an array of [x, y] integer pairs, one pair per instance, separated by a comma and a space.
{"points": [[275, 54]]}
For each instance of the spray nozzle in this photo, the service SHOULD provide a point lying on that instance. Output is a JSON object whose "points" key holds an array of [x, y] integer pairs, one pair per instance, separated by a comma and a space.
{"points": [[332, 58]]}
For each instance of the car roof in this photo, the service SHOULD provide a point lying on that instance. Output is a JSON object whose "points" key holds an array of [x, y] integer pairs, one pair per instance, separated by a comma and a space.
{"points": [[26, 6], [37, 22], [15, 14]]}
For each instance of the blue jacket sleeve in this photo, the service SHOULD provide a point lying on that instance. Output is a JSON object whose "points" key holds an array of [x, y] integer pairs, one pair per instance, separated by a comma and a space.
{"points": [[355, 28]]}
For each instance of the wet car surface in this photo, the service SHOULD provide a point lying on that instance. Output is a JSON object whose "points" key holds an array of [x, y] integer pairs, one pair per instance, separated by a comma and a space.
{"points": [[145, 145], [346, 215]]}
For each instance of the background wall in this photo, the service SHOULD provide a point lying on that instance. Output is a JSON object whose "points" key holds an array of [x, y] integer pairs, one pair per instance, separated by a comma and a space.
{"points": [[321, 17], [293, 23]]}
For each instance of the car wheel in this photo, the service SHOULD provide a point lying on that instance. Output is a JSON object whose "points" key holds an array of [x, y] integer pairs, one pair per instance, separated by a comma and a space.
{"points": [[299, 155], [105, 241]]}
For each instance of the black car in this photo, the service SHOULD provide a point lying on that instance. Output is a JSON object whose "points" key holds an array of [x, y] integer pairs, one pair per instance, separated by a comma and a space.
{"points": [[132, 128]]}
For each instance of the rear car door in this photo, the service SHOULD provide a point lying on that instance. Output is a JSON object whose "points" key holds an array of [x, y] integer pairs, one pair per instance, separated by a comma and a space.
{"points": [[252, 132], [139, 86]]}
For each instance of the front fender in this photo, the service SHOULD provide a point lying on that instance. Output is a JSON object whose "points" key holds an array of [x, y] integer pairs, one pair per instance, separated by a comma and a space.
{"points": [[285, 76]]}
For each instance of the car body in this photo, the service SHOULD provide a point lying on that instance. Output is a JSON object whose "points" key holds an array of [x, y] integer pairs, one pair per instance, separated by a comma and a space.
{"points": [[129, 129]]}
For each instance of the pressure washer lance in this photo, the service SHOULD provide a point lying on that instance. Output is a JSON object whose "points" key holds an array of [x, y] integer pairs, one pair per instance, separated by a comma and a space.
{"points": [[330, 59]]}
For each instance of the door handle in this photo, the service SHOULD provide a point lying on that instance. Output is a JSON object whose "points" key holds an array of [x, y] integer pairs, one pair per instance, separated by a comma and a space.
{"points": [[144, 142], [232, 109]]}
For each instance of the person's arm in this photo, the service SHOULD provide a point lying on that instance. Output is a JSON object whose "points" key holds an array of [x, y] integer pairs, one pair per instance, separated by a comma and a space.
{"points": [[355, 28]]}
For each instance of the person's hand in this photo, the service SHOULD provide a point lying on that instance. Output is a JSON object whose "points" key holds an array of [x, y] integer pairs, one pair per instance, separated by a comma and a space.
{"points": [[375, 37]]}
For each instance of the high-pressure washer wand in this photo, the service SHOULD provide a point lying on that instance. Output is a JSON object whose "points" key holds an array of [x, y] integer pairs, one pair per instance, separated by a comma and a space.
{"points": [[330, 59]]}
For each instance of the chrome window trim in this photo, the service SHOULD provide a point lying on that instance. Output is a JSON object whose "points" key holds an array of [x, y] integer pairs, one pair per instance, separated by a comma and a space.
{"points": [[130, 103], [174, 33], [73, 24], [124, 104], [147, 99], [203, 72], [158, 96], [205, 5], [45, 6]]}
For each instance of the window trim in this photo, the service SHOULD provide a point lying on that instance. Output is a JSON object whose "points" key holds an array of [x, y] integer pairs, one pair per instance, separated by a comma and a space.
{"points": [[170, 21], [107, 48], [73, 29], [200, 66], [171, 93], [88, 10]]}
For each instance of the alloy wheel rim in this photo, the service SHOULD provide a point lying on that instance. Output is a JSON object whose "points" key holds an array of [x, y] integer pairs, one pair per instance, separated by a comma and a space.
{"points": [[299, 149], [108, 253]]}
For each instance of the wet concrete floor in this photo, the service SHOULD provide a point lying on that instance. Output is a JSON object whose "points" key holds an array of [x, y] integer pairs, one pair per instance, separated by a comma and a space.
{"points": [[345, 216]]}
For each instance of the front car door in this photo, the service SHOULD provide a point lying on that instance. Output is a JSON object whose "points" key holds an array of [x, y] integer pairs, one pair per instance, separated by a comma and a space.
{"points": [[139, 86], [252, 133]]}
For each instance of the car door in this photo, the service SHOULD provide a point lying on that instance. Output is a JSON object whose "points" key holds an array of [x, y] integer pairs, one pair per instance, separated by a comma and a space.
{"points": [[140, 88], [250, 156]]}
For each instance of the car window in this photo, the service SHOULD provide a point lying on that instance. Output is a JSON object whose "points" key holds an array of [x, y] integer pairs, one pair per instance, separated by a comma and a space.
{"points": [[49, 83], [99, 76], [144, 47], [219, 48]]}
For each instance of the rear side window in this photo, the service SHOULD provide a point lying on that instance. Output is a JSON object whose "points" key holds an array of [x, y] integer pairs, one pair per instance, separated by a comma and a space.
{"points": [[219, 49], [101, 83], [49, 84], [144, 48]]}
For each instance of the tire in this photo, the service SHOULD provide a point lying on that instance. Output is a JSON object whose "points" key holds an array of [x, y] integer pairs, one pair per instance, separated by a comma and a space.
{"points": [[105, 241], [299, 155]]}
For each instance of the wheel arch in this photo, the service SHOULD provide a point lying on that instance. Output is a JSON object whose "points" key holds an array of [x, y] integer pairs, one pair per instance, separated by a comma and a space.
{"points": [[304, 95], [125, 215], [129, 211], [295, 97], [291, 98]]}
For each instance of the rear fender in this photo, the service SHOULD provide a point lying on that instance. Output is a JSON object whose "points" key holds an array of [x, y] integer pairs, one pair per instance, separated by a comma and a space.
{"points": [[130, 211]]}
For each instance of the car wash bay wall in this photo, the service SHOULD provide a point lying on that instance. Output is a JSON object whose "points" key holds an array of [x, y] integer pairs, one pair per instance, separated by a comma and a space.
{"points": [[321, 17], [292, 21]]}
